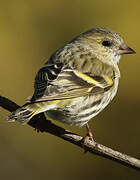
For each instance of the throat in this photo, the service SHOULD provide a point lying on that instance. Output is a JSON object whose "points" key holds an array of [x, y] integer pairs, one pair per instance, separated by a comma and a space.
{"points": [[117, 59]]}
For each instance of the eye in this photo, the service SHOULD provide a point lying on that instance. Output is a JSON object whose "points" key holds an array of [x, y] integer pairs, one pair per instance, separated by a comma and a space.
{"points": [[107, 43]]}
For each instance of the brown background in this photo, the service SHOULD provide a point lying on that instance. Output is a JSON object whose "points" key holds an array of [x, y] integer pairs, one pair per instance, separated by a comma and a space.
{"points": [[29, 32]]}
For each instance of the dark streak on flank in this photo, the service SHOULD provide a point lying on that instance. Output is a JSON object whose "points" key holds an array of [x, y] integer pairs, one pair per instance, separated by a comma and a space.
{"points": [[74, 64], [91, 105], [84, 64]]}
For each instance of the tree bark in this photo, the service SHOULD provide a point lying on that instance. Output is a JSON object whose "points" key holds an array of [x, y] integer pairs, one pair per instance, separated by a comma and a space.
{"points": [[40, 123]]}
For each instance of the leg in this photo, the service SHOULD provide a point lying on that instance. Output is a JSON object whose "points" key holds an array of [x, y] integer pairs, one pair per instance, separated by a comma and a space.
{"points": [[89, 133], [87, 137]]}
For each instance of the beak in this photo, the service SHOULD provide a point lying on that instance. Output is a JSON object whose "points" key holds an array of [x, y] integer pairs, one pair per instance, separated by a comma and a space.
{"points": [[124, 49]]}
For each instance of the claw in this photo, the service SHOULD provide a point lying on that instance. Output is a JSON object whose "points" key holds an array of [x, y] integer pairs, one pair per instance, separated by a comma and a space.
{"points": [[88, 137]]}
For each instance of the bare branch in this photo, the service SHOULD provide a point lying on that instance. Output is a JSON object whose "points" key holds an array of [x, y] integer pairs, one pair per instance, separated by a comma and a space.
{"points": [[40, 123]]}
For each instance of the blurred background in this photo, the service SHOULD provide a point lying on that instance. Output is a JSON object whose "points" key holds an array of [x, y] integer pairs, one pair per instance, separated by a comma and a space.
{"points": [[30, 31]]}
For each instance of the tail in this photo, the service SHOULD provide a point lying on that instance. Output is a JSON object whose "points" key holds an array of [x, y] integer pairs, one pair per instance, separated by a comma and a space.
{"points": [[23, 114]]}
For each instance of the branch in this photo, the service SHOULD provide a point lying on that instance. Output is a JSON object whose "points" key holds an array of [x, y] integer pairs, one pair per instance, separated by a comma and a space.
{"points": [[40, 123]]}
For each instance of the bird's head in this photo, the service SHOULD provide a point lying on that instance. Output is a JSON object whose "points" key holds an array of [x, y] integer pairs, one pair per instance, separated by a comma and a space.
{"points": [[107, 45]]}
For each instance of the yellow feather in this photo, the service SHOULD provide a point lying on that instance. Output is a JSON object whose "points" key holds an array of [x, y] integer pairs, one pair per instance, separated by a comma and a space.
{"points": [[108, 80], [89, 79]]}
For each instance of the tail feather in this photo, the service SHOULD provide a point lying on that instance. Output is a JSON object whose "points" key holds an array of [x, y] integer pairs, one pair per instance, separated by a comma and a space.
{"points": [[22, 115]]}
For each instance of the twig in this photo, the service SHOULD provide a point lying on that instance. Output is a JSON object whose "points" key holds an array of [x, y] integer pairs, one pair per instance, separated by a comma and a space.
{"points": [[40, 123]]}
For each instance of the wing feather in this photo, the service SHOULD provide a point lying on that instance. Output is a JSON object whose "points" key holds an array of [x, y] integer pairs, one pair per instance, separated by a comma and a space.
{"points": [[57, 81], [46, 74], [72, 86]]}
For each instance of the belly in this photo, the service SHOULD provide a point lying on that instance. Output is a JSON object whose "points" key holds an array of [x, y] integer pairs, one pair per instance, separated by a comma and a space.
{"points": [[80, 110]]}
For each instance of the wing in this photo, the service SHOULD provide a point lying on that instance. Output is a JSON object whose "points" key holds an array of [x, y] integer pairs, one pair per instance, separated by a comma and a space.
{"points": [[45, 75], [80, 75], [69, 83]]}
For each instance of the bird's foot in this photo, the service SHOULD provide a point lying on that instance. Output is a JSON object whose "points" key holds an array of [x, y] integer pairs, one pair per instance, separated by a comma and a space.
{"points": [[85, 140], [89, 137]]}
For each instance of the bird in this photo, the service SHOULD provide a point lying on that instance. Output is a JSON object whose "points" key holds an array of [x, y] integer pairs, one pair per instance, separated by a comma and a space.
{"points": [[78, 81]]}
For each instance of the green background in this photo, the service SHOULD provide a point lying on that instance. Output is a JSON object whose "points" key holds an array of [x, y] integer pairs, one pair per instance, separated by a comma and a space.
{"points": [[30, 31]]}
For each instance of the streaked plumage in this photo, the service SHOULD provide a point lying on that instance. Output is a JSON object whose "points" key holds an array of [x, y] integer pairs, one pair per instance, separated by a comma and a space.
{"points": [[79, 79]]}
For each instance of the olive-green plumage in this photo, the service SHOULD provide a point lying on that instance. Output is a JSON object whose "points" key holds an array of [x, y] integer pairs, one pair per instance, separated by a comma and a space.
{"points": [[79, 79]]}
